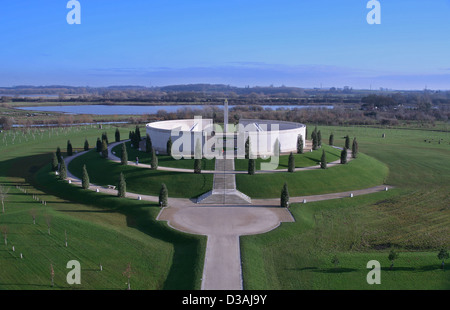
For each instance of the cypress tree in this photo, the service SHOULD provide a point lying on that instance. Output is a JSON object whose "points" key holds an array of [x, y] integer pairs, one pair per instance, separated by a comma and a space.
{"points": [[198, 157], [284, 201], [315, 144], [323, 161], [54, 162], [99, 145], [117, 135], [163, 196], [344, 156], [197, 166], [85, 178], [291, 164], [319, 139], [148, 144], [122, 186], [135, 140], [58, 154], [105, 137], [86, 145], [69, 148], [300, 144], [124, 155], [347, 142], [331, 140], [251, 166], [154, 161], [62, 170], [169, 146], [247, 148], [138, 134], [276, 148], [104, 149], [354, 148]]}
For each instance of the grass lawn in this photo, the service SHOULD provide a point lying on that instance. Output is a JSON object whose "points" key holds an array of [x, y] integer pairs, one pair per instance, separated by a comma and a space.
{"points": [[163, 160], [363, 172], [141, 180], [100, 229], [414, 219], [301, 160]]}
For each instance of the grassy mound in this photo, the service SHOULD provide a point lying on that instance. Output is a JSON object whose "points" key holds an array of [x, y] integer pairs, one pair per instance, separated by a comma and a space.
{"points": [[163, 160], [363, 172], [141, 180]]}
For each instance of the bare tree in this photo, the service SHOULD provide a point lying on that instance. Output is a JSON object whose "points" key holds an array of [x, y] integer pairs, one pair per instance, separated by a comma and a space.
{"points": [[5, 233], [48, 220], [52, 274], [3, 195], [127, 273], [33, 214]]}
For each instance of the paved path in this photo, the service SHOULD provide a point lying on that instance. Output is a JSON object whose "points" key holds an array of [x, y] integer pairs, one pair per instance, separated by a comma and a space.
{"points": [[223, 226]]}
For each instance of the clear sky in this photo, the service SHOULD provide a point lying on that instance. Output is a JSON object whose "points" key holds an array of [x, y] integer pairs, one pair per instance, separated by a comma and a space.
{"points": [[302, 43]]}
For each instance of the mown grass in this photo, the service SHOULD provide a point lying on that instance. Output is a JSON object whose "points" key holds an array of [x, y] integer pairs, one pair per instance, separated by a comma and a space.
{"points": [[363, 172], [101, 229], [301, 160], [163, 160], [414, 219], [140, 180]]}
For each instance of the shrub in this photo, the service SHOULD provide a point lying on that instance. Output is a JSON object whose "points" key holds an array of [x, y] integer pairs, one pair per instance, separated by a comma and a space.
{"points": [[291, 164], [284, 203], [85, 178], [122, 186]]}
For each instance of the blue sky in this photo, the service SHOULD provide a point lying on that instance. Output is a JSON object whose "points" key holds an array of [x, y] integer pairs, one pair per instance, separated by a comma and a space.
{"points": [[238, 42]]}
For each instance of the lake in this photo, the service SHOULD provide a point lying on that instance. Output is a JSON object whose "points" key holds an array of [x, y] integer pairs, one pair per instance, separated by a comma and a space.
{"points": [[139, 109]]}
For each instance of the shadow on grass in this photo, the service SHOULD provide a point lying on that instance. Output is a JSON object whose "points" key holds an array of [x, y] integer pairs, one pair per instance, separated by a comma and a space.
{"points": [[336, 270], [187, 264]]}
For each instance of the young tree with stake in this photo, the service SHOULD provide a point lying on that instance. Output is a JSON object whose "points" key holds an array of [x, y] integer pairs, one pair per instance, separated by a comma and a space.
{"points": [[443, 255], [393, 255], [3, 195]]}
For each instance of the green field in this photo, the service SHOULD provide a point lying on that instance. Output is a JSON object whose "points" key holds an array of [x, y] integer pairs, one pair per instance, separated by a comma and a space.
{"points": [[301, 160], [363, 172], [100, 229], [414, 219], [163, 160]]}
